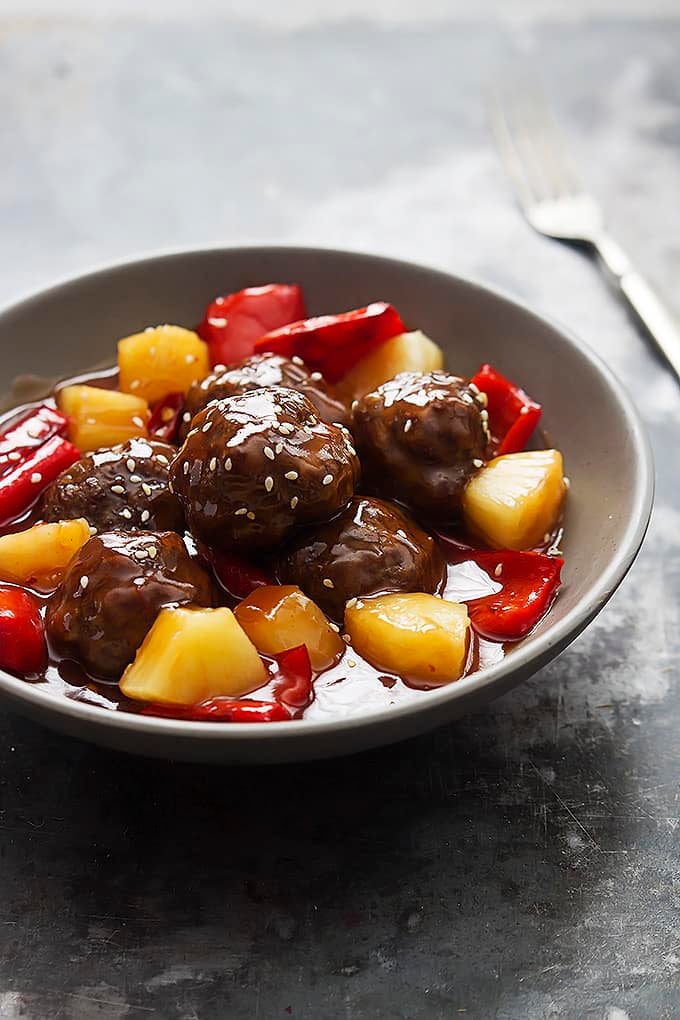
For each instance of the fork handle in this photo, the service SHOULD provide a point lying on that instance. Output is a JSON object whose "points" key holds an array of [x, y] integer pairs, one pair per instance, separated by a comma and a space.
{"points": [[643, 299]]}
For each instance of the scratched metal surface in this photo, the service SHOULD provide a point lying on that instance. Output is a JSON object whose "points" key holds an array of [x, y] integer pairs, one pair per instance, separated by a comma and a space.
{"points": [[522, 863]]}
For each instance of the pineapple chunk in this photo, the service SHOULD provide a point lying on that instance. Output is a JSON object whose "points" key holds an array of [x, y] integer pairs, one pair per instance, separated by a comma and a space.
{"points": [[166, 359], [277, 617], [39, 556], [420, 637], [100, 417], [407, 352], [515, 501], [190, 655]]}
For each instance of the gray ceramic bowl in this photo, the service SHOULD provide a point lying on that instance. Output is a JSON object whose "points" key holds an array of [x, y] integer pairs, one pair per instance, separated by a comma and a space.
{"points": [[587, 415]]}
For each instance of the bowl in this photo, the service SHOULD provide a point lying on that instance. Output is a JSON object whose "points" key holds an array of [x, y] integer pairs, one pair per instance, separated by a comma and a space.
{"points": [[587, 414]]}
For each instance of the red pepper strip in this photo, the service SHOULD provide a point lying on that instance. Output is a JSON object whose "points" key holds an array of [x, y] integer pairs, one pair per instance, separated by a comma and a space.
{"points": [[234, 322], [530, 582], [21, 486], [513, 415], [222, 710], [294, 686], [22, 634], [35, 428], [238, 577], [332, 344], [164, 422]]}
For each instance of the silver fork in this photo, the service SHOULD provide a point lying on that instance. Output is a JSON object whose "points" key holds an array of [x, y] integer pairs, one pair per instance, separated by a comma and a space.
{"points": [[556, 204]]}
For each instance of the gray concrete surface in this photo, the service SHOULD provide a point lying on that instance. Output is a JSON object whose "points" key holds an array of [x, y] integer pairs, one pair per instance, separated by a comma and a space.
{"points": [[522, 863]]}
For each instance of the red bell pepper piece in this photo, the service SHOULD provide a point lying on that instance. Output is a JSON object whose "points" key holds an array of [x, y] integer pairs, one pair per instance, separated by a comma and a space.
{"points": [[529, 582], [332, 344], [164, 422], [22, 634], [238, 577], [32, 430], [293, 685], [244, 710], [233, 323], [21, 486], [513, 415]]}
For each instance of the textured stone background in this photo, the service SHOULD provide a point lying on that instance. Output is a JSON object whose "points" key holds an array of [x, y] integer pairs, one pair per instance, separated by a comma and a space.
{"points": [[522, 863]]}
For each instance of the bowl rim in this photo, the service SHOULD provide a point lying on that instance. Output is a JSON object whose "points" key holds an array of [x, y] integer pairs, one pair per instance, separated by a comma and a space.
{"points": [[522, 657]]}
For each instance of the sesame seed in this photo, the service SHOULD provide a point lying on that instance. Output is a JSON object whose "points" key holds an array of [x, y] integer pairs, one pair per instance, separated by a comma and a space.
{"points": [[146, 489], [153, 552], [162, 459], [472, 386], [241, 512], [127, 514], [135, 478], [185, 467], [141, 554], [567, 482], [327, 583], [269, 483], [135, 384], [84, 581], [350, 449], [186, 417], [294, 502], [327, 479], [484, 414], [296, 360], [499, 570], [227, 464], [477, 462], [351, 663], [292, 476], [36, 478], [316, 377], [524, 410], [145, 516], [171, 487], [118, 489], [268, 452], [207, 426], [351, 603], [213, 464], [250, 515], [286, 428], [279, 447], [130, 464], [334, 627], [14, 455], [482, 399], [219, 368], [93, 530], [407, 425]]}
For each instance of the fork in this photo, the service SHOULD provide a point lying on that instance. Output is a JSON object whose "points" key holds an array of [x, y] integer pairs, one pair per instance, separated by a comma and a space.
{"points": [[557, 205]]}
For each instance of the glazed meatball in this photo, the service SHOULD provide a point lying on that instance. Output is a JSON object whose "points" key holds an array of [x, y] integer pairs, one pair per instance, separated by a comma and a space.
{"points": [[370, 547], [420, 439], [119, 487], [265, 370], [256, 466], [113, 591]]}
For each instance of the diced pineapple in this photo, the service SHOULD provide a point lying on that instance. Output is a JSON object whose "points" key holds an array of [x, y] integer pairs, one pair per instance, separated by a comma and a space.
{"points": [[420, 637], [39, 556], [407, 352], [190, 655], [100, 417], [162, 360], [515, 501], [277, 617]]}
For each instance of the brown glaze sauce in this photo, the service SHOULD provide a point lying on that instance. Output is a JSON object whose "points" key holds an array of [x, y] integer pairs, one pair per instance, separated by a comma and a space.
{"points": [[350, 688]]}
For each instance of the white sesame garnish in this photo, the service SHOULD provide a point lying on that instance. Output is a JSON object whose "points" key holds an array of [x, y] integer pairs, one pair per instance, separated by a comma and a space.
{"points": [[14, 455], [351, 603], [185, 467], [93, 530], [213, 464], [141, 554], [268, 452], [482, 399], [351, 663], [279, 447], [139, 422], [294, 502], [269, 483], [186, 417], [286, 428], [145, 516], [350, 449], [499, 570], [130, 464], [84, 581], [250, 515], [327, 583], [152, 551], [316, 377], [146, 488], [477, 462], [472, 386], [171, 487], [292, 476], [118, 489], [334, 627], [241, 512], [296, 360], [227, 464], [219, 368], [135, 478], [207, 426], [524, 410], [327, 479], [407, 424], [162, 459], [127, 514], [567, 482], [484, 414], [36, 478]]}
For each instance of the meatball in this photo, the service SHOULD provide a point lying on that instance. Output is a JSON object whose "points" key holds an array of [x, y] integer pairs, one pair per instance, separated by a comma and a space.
{"points": [[119, 487], [113, 591], [257, 465], [265, 370], [371, 547], [420, 439]]}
